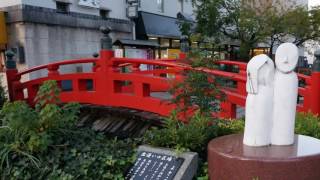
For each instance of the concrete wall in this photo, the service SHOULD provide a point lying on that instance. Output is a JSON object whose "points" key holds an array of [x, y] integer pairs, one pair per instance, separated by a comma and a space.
{"points": [[117, 7], [5, 3], [44, 44], [171, 7]]}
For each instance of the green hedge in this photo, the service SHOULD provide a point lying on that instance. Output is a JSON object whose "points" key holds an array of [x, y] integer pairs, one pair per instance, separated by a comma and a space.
{"points": [[44, 143]]}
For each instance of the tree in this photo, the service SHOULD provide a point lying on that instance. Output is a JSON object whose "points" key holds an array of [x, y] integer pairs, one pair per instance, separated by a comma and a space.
{"points": [[296, 25], [229, 19], [302, 25], [252, 22]]}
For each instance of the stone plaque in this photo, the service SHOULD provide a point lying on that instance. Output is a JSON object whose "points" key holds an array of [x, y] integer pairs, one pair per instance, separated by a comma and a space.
{"points": [[151, 165]]}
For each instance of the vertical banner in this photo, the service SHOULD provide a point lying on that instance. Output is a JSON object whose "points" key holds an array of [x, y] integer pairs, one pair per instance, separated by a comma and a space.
{"points": [[173, 54], [3, 30]]}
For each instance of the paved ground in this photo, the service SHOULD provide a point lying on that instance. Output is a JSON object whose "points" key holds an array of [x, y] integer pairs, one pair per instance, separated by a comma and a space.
{"points": [[240, 112], [161, 95]]}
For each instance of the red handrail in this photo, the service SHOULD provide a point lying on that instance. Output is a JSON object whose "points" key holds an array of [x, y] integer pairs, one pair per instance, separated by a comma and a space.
{"points": [[135, 89], [58, 63]]}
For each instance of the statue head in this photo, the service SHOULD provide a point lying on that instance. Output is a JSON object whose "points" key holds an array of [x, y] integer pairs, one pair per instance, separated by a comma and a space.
{"points": [[260, 72], [287, 56]]}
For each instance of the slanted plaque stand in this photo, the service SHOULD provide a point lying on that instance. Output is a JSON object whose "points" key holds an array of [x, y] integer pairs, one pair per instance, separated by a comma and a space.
{"points": [[229, 158], [163, 164]]}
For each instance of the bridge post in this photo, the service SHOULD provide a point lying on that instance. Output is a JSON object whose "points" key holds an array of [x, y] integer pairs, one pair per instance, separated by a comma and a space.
{"points": [[228, 110], [315, 85], [104, 69], [11, 73], [241, 86], [106, 52]]}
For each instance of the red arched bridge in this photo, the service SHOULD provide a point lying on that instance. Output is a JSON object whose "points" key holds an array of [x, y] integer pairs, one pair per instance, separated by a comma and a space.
{"points": [[140, 89]]}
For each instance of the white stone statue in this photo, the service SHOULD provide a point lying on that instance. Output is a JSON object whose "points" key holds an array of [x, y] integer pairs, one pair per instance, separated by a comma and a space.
{"points": [[285, 95], [259, 102]]}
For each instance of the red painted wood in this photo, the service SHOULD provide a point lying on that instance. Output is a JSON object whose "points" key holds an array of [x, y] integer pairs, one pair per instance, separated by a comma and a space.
{"points": [[133, 89]]}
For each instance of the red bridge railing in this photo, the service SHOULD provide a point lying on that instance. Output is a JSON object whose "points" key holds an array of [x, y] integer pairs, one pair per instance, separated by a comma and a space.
{"points": [[107, 84]]}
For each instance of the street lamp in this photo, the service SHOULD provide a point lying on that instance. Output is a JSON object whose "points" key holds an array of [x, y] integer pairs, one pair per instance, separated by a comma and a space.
{"points": [[184, 44]]}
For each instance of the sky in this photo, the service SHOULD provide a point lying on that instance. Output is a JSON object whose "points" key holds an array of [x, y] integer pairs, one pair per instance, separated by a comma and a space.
{"points": [[314, 3]]}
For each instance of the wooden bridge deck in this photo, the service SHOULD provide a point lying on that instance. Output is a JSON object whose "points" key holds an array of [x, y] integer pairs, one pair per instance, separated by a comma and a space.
{"points": [[120, 122]]}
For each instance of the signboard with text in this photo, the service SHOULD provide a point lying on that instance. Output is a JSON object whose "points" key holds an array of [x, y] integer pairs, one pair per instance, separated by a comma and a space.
{"points": [[150, 165]]}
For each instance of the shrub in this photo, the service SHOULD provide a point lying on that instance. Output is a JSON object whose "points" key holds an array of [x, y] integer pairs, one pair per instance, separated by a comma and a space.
{"points": [[226, 127], [199, 89], [25, 132], [44, 143], [3, 97], [78, 154], [89, 155], [307, 124], [192, 136], [203, 172]]}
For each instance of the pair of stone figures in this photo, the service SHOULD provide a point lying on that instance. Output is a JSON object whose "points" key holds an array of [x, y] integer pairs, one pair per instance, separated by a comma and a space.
{"points": [[272, 98]]}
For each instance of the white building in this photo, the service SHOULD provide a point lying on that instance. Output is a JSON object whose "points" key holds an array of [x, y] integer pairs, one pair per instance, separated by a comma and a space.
{"points": [[42, 31]]}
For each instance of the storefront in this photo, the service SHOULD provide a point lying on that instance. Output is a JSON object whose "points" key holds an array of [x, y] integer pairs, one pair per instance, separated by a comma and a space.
{"points": [[162, 30], [136, 49]]}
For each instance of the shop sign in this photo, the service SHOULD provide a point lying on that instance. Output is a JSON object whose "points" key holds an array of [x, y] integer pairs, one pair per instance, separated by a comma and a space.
{"points": [[173, 53]]}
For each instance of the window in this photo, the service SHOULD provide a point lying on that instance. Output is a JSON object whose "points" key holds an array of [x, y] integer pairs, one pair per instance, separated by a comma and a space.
{"points": [[104, 14], [176, 43], [164, 42], [160, 5], [62, 7]]}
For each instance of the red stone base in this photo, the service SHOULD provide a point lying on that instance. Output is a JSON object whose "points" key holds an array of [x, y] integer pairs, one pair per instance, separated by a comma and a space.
{"points": [[229, 159]]}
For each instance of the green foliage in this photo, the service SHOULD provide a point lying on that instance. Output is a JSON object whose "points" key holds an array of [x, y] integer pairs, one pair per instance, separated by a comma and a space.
{"points": [[3, 97], [79, 154], [25, 132], [185, 28], [251, 22], [308, 124], [203, 174], [199, 89], [91, 156], [192, 136], [227, 127], [44, 143], [48, 93], [18, 116], [207, 13]]}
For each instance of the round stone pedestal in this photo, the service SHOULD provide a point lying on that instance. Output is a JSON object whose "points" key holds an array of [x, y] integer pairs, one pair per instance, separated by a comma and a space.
{"points": [[230, 159]]}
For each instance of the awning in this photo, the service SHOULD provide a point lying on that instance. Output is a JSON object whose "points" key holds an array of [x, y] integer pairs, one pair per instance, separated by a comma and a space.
{"points": [[138, 43], [153, 25]]}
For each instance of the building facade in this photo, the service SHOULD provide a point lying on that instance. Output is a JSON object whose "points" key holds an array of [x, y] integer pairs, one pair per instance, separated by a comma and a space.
{"points": [[43, 31], [159, 21]]}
